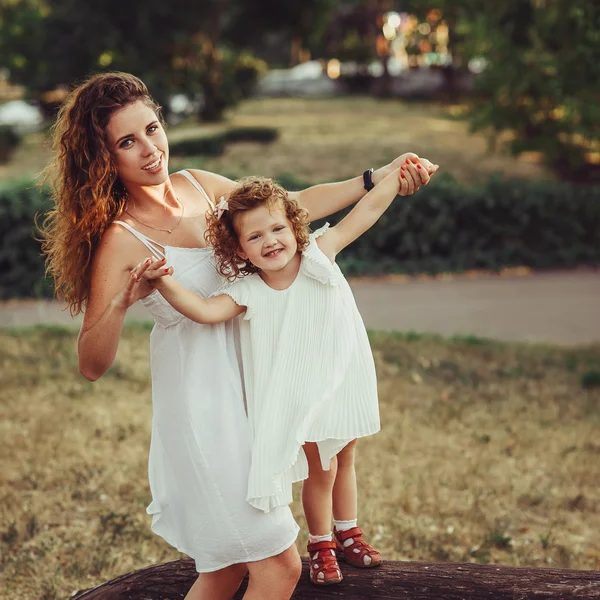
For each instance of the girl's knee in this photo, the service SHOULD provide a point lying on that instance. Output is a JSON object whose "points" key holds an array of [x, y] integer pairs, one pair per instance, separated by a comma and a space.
{"points": [[316, 471], [346, 454]]}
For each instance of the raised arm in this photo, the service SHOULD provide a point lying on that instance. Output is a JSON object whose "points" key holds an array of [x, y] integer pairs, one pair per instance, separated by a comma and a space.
{"points": [[325, 199], [207, 311], [364, 215]]}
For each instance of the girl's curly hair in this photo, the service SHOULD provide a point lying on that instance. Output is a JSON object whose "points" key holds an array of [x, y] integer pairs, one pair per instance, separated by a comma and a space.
{"points": [[249, 194], [86, 189]]}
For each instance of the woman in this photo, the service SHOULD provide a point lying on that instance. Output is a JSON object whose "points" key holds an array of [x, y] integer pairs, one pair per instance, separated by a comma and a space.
{"points": [[115, 205]]}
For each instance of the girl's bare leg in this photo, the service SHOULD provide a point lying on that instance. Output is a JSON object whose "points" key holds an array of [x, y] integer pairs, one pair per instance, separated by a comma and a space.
{"points": [[317, 491], [345, 494], [274, 578], [218, 585]]}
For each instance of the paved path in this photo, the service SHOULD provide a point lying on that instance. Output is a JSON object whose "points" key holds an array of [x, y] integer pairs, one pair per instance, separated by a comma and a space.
{"points": [[558, 307]]}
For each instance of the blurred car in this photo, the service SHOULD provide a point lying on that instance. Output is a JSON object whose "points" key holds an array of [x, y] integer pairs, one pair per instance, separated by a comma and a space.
{"points": [[21, 116], [306, 79]]}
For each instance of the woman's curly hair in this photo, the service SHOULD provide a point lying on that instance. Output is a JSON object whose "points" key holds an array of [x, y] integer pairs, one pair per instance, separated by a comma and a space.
{"points": [[86, 189], [249, 194]]}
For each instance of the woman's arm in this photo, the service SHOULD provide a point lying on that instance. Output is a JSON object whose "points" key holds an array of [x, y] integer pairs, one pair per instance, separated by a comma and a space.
{"points": [[112, 291], [207, 311], [325, 199], [364, 215]]}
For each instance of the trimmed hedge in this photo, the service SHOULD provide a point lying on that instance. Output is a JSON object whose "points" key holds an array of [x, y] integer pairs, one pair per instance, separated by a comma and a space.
{"points": [[215, 145], [445, 227], [501, 223], [21, 266], [9, 140]]}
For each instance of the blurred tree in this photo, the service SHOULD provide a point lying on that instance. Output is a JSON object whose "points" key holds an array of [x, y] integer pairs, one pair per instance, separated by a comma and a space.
{"points": [[541, 74], [542, 78], [176, 45], [302, 24], [50, 43]]}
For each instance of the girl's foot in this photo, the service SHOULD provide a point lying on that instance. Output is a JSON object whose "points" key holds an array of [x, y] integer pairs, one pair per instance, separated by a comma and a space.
{"points": [[352, 548], [323, 564]]}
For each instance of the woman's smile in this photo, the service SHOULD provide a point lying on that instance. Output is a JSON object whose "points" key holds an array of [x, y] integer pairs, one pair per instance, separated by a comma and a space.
{"points": [[155, 166]]}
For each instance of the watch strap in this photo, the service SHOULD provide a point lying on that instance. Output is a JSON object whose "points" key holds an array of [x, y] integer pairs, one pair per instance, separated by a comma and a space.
{"points": [[368, 180]]}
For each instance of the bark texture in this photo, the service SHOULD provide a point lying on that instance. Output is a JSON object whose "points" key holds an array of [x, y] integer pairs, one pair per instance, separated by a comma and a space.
{"points": [[391, 581]]}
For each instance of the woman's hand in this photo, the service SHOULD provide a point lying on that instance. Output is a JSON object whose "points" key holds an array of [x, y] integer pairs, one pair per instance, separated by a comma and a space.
{"points": [[152, 271], [417, 171], [142, 275]]}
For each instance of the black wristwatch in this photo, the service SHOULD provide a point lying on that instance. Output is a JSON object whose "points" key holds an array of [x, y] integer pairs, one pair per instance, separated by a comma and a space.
{"points": [[368, 180]]}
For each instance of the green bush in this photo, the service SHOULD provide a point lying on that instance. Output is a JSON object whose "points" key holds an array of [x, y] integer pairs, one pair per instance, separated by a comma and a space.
{"points": [[450, 227], [263, 135], [215, 145], [445, 227], [21, 265], [203, 146], [9, 140]]}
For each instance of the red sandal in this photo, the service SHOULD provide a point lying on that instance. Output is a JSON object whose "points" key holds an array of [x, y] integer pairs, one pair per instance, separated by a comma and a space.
{"points": [[323, 564], [358, 553]]}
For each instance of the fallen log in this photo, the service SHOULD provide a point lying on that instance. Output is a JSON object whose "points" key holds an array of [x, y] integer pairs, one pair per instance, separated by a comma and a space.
{"points": [[391, 581]]}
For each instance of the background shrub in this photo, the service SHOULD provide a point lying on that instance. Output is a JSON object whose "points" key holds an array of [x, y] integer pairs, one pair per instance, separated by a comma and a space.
{"points": [[445, 227], [9, 140], [215, 145]]}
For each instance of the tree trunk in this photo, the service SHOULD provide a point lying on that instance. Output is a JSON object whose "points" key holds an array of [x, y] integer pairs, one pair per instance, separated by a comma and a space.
{"points": [[391, 581]]}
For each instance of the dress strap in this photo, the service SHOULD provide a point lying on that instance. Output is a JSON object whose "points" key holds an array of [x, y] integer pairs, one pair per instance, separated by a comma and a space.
{"points": [[157, 250], [197, 185]]}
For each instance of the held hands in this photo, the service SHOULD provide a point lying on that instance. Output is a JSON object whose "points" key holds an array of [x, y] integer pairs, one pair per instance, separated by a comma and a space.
{"points": [[413, 172], [152, 271]]}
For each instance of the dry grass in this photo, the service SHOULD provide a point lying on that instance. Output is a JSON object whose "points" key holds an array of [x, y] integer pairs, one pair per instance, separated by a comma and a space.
{"points": [[327, 140], [489, 452]]}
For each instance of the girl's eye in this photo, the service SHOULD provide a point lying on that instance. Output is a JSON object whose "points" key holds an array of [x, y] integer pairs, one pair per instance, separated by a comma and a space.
{"points": [[252, 238], [126, 143], [152, 128], [278, 228]]}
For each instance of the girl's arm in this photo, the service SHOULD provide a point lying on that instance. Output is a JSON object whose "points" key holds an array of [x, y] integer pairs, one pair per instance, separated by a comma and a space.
{"points": [[325, 199], [207, 311], [364, 215]]}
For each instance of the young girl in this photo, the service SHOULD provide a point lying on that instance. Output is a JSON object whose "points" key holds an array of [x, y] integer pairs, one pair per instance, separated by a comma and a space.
{"points": [[309, 372]]}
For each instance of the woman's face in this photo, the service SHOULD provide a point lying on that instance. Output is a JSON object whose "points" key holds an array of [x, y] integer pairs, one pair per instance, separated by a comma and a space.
{"points": [[139, 145]]}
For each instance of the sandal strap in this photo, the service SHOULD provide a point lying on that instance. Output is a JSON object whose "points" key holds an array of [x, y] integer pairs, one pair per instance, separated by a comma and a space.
{"points": [[318, 546], [355, 532]]}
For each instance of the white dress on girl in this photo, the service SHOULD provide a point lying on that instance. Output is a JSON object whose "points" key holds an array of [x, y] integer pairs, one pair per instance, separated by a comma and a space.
{"points": [[200, 446], [308, 370]]}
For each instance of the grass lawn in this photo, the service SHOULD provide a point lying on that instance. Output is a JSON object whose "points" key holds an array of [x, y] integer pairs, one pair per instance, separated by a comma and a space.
{"points": [[327, 140], [489, 452]]}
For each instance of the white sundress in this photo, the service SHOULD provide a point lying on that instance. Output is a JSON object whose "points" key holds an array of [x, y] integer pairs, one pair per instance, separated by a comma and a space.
{"points": [[200, 447], [309, 373]]}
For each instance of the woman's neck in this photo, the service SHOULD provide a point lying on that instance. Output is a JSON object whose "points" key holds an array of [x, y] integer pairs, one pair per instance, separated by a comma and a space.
{"points": [[282, 278], [152, 199]]}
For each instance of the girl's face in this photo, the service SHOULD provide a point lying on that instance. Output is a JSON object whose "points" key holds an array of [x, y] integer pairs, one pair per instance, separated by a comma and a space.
{"points": [[266, 238], [139, 145]]}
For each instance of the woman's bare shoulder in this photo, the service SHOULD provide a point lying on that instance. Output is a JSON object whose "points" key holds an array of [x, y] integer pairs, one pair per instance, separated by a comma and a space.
{"points": [[215, 185], [120, 247]]}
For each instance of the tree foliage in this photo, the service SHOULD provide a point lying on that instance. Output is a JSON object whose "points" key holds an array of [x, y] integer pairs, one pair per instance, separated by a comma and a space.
{"points": [[542, 80], [176, 45]]}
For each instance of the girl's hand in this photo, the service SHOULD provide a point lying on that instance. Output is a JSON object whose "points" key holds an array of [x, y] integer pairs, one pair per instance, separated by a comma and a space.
{"points": [[413, 175], [134, 289], [152, 271], [416, 170]]}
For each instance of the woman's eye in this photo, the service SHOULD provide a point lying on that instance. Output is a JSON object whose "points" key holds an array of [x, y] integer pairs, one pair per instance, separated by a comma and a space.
{"points": [[126, 143], [152, 128]]}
